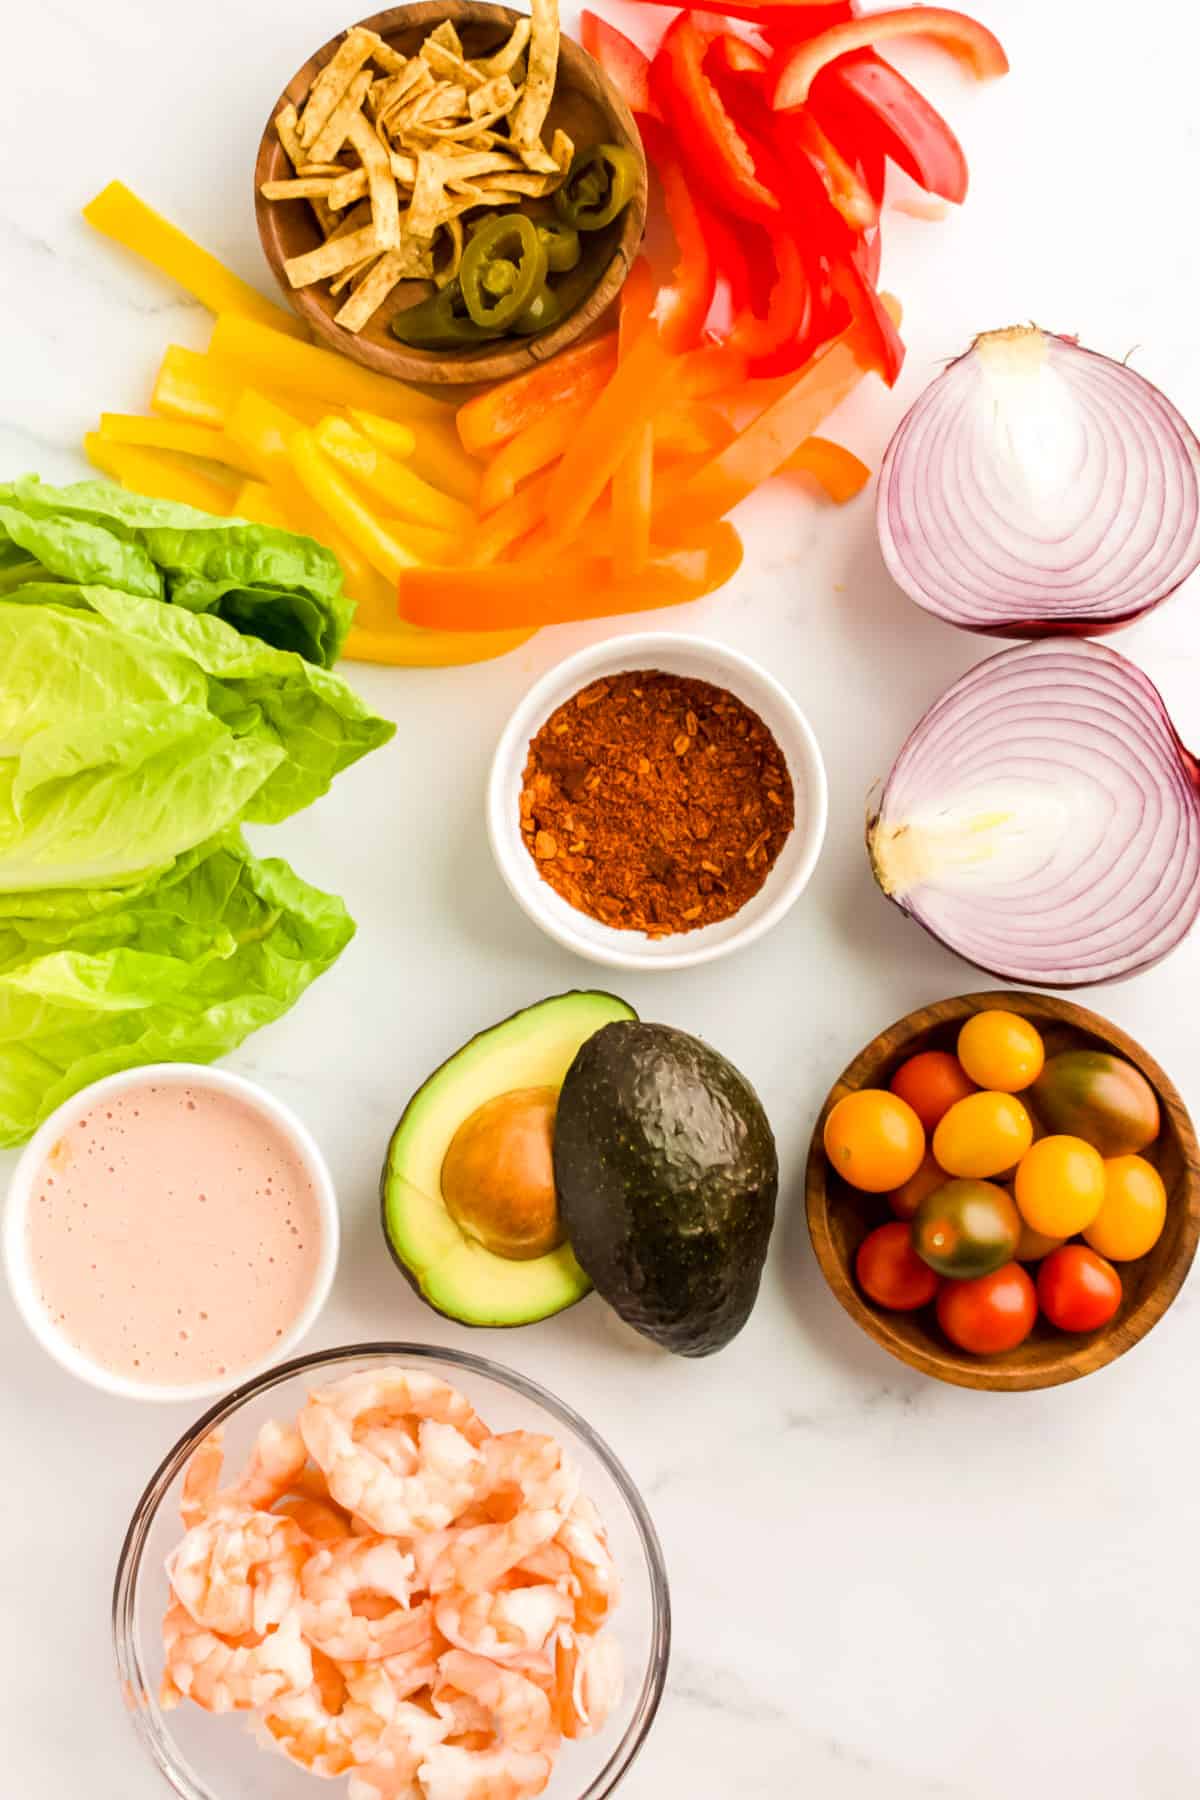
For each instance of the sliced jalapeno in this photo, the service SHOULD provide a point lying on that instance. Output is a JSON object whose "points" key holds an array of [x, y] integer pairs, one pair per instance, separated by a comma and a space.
{"points": [[599, 184], [545, 309], [561, 244], [440, 323], [503, 267]]}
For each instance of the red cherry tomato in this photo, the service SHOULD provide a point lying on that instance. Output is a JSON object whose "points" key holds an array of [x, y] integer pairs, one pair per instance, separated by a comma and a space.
{"points": [[931, 1083], [992, 1313], [1077, 1290], [891, 1273]]}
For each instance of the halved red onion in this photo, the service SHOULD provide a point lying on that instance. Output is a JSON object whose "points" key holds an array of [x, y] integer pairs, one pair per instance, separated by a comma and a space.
{"points": [[1037, 487], [1043, 820]]}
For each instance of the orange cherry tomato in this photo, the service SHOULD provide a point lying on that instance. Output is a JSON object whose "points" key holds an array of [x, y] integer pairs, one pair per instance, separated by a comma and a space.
{"points": [[1133, 1211], [891, 1273], [982, 1136], [931, 1083], [1059, 1187], [1077, 1290], [992, 1313], [1033, 1245], [874, 1140], [1001, 1050], [906, 1198]]}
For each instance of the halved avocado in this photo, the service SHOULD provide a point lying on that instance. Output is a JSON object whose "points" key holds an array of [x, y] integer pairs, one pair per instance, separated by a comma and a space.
{"points": [[447, 1265]]}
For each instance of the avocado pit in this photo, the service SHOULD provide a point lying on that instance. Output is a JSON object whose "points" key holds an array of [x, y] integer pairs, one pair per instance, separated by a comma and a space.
{"points": [[498, 1175]]}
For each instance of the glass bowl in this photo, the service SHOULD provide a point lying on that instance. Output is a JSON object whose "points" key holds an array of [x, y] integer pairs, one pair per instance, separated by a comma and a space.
{"points": [[203, 1757]]}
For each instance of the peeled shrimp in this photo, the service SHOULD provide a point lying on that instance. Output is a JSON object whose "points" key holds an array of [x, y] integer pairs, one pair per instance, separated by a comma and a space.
{"points": [[533, 1465], [452, 1772], [594, 1573], [519, 1710], [335, 1723], [340, 1426], [239, 1571], [334, 1577], [390, 1773], [223, 1676], [323, 1523], [412, 1665], [275, 1463], [588, 1681], [513, 1622], [480, 1556]]}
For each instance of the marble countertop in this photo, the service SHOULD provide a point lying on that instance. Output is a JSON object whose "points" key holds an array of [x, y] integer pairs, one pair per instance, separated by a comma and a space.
{"points": [[884, 1589]]}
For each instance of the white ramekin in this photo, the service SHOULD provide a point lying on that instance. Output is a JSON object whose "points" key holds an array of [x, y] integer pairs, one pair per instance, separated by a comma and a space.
{"points": [[32, 1161], [705, 660]]}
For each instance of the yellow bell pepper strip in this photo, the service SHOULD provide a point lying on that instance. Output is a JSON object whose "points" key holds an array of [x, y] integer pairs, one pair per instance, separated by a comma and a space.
{"points": [[119, 214], [633, 477], [635, 393], [175, 434], [157, 473], [427, 543], [491, 418], [408, 647], [391, 481], [190, 387], [267, 359], [333, 494], [509, 523], [555, 590], [436, 454], [534, 447], [834, 468], [965, 38], [254, 500]]}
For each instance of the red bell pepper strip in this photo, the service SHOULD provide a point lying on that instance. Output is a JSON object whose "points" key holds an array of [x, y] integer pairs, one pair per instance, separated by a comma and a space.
{"points": [[843, 184], [627, 66], [729, 57], [684, 301], [786, 326], [802, 16], [714, 146], [491, 418], [863, 101], [965, 38]]}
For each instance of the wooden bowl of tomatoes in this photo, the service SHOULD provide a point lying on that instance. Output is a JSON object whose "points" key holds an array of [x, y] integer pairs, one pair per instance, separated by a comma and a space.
{"points": [[1003, 1190]]}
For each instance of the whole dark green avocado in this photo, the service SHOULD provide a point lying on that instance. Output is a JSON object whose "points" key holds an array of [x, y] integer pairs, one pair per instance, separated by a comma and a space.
{"points": [[667, 1176]]}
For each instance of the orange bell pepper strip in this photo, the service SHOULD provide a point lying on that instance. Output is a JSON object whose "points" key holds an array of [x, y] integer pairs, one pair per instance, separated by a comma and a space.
{"points": [[837, 470], [691, 431], [633, 477], [501, 529], [534, 447], [972, 43], [491, 418], [555, 590], [631, 399]]}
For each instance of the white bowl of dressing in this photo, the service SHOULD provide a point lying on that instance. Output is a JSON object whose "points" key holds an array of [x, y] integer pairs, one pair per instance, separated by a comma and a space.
{"points": [[170, 1231]]}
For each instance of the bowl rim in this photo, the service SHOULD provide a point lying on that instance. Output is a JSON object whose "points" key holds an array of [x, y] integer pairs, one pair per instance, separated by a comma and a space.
{"points": [[449, 368], [1082, 1355], [132, 1677], [15, 1252], [625, 949]]}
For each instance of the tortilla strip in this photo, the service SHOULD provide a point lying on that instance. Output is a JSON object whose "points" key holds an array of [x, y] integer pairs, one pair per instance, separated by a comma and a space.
{"points": [[381, 184], [505, 60], [331, 257], [425, 209], [443, 103], [497, 96], [334, 133], [326, 91], [387, 59], [404, 168], [518, 182], [479, 162], [354, 273], [555, 161], [389, 93], [351, 185], [396, 116], [415, 260], [476, 133], [289, 137], [448, 271], [445, 37], [454, 67], [529, 115], [305, 189], [354, 220]]}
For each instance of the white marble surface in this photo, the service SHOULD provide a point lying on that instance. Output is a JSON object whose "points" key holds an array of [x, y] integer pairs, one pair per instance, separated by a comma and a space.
{"points": [[883, 1587]]}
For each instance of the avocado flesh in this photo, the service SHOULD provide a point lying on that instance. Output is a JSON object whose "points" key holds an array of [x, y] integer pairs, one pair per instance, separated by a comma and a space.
{"points": [[667, 1175], [450, 1270]]}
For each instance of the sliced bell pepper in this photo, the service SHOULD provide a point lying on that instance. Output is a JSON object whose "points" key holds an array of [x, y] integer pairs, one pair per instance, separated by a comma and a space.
{"points": [[333, 494], [846, 188], [633, 477], [715, 147], [862, 100], [501, 529], [158, 473], [978, 49], [780, 339], [837, 470], [177, 435], [267, 359], [696, 430], [801, 16], [550, 591], [426, 542], [627, 67], [684, 301], [631, 399], [536, 447], [491, 418], [119, 214], [188, 386], [389, 480], [729, 57], [435, 452], [254, 500], [408, 647]]}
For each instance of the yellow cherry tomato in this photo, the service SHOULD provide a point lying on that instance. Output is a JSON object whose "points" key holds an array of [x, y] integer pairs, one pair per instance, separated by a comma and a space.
{"points": [[1133, 1211], [1033, 1245], [874, 1140], [1001, 1050], [982, 1136], [1060, 1186]]}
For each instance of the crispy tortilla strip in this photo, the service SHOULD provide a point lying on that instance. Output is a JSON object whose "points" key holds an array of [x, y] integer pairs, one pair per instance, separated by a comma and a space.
{"points": [[381, 183], [413, 261], [495, 97], [308, 169], [505, 60], [529, 115], [350, 186], [426, 209], [288, 135], [331, 257], [480, 162], [520, 182], [446, 272], [335, 132], [476, 134], [354, 220], [390, 93], [387, 59], [327, 90], [354, 273], [395, 109], [306, 189], [450, 64], [404, 168], [445, 37]]}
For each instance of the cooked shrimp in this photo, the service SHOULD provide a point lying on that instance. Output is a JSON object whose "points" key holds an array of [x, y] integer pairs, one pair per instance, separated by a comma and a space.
{"points": [[335, 1723], [275, 1463], [480, 1556], [399, 1396], [221, 1675], [390, 1772], [317, 1519], [202, 1477], [597, 1586], [514, 1622], [452, 1772], [519, 1710], [588, 1680], [449, 1467], [414, 1664], [394, 1445], [239, 1571], [535, 1467], [338, 1575]]}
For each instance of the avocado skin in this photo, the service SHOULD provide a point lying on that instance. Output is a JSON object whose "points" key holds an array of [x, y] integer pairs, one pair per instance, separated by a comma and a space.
{"points": [[667, 1176]]}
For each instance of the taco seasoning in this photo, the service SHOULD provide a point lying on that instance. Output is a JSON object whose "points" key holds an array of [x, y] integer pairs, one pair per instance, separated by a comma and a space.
{"points": [[655, 803]]}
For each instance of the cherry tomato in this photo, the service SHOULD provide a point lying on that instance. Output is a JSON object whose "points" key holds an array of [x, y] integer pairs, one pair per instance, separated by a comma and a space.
{"points": [[983, 1135], [966, 1228], [1000, 1050], [906, 1199], [1060, 1185], [874, 1140], [992, 1313], [1077, 1290], [1133, 1211], [891, 1273], [1033, 1245], [931, 1083]]}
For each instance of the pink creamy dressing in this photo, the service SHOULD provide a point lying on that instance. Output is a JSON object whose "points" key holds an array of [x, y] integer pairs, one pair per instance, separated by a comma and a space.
{"points": [[174, 1234]]}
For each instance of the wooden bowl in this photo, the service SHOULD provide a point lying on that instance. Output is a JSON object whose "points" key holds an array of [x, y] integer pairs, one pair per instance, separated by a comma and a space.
{"points": [[839, 1216], [586, 106]]}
